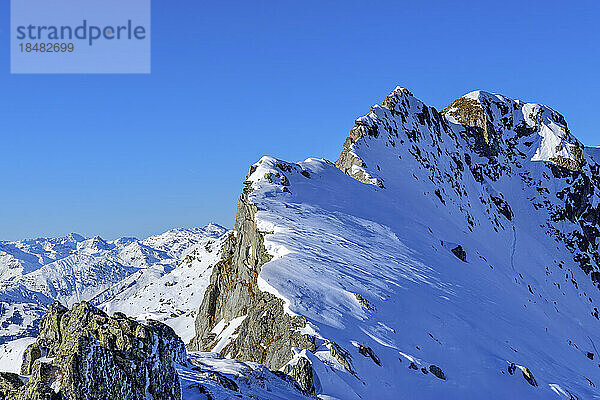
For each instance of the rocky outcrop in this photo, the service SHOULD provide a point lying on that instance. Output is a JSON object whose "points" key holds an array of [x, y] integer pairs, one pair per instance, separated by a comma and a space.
{"points": [[528, 376], [9, 384], [460, 253], [267, 334], [83, 354], [368, 352], [437, 371], [502, 130], [352, 165], [303, 373], [482, 142]]}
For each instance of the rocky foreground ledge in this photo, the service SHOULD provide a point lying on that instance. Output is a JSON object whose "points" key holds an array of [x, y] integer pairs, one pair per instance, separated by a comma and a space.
{"points": [[83, 354]]}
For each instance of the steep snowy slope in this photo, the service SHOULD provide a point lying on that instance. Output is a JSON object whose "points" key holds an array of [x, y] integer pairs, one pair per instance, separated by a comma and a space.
{"points": [[594, 153], [71, 269], [448, 255], [213, 377]]}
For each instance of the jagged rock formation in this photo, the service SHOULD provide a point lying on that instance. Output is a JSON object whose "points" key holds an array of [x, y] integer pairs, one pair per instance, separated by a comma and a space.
{"points": [[83, 353], [359, 268], [9, 384], [265, 333], [210, 376]]}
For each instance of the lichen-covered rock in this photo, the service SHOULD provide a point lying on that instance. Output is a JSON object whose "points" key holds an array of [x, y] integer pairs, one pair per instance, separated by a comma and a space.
{"points": [[342, 356], [528, 376], [302, 372], [9, 384], [83, 354], [32, 353]]}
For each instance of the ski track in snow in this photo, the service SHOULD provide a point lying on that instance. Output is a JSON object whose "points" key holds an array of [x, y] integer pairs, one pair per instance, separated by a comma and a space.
{"points": [[513, 249]]}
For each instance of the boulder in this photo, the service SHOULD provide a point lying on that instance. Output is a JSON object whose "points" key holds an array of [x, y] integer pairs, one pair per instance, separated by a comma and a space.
{"points": [[83, 354], [9, 384]]}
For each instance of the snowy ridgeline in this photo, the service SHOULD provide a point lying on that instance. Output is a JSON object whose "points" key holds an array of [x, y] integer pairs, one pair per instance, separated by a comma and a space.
{"points": [[150, 278], [446, 255], [460, 261]]}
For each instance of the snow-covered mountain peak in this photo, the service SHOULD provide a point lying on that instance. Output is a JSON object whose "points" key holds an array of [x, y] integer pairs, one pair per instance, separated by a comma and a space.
{"points": [[506, 125], [178, 242], [75, 237], [94, 245], [440, 254], [497, 133]]}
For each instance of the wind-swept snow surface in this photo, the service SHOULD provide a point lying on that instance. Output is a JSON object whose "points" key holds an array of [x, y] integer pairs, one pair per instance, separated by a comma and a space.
{"points": [[455, 258], [213, 377]]}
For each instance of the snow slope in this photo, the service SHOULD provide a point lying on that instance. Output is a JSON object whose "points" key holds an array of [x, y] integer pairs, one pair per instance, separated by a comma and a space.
{"points": [[371, 257], [213, 377], [594, 153], [11, 354]]}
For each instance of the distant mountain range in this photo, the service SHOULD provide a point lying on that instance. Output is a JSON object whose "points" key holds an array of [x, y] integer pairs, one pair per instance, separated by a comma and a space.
{"points": [[35, 272]]}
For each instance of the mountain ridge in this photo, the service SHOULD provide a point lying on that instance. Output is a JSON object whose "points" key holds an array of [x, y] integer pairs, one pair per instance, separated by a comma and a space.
{"points": [[445, 254], [480, 190]]}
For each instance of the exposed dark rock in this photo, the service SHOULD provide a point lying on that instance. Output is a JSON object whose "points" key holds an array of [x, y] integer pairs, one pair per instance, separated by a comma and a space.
{"points": [[437, 371], [528, 376], [472, 115], [9, 384], [413, 366], [439, 196], [342, 356], [368, 352], [511, 368], [460, 253], [32, 353], [223, 381], [592, 384], [503, 207], [89, 355], [348, 159], [303, 373], [267, 335], [364, 302]]}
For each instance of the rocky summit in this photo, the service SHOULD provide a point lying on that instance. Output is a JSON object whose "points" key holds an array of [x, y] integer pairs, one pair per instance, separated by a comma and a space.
{"points": [[445, 254], [83, 353]]}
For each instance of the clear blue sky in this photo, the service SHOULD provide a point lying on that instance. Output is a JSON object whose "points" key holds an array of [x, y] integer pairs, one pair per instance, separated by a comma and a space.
{"points": [[121, 155]]}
